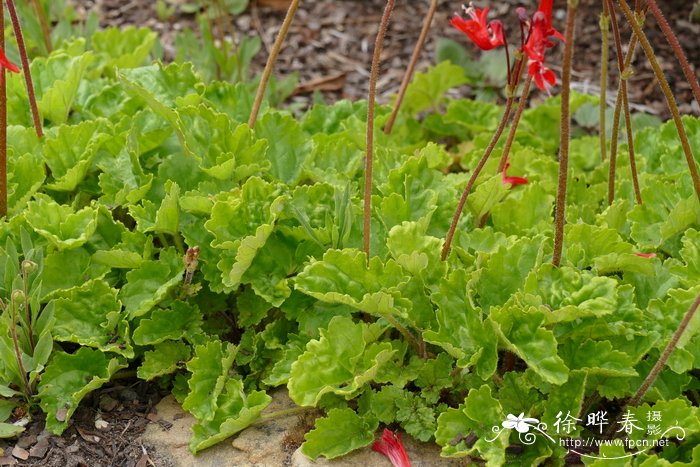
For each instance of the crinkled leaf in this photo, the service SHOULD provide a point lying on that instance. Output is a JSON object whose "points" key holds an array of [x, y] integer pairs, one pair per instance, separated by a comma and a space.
{"points": [[339, 433], [68, 378], [91, 315], [179, 320], [209, 368], [522, 330], [343, 276], [123, 47], [288, 146], [59, 224], [340, 361], [235, 411], [165, 358], [462, 333], [152, 282]]}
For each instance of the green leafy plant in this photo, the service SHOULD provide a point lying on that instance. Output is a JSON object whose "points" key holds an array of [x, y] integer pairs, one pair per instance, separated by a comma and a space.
{"points": [[156, 228]]}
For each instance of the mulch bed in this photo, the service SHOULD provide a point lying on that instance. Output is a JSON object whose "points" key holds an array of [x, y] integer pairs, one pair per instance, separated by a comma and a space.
{"points": [[331, 41], [103, 432]]}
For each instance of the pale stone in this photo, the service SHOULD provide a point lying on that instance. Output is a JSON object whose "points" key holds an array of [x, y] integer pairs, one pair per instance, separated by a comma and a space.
{"points": [[268, 444]]}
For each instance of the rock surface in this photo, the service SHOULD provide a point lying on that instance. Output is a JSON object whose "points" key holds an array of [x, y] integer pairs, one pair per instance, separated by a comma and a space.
{"points": [[271, 444]]}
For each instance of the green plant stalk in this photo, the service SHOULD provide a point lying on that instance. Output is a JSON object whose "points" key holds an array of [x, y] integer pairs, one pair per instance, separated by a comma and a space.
{"points": [[670, 100], [622, 104], [27, 309], [18, 353], [44, 23], [514, 124], [3, 127], [560, 208], [374, 72], [411, 65], [670, 347], [677, 49], [267, 72], [477, 171], [604, 57], [418, 345], [630, 144], [25, 67]]}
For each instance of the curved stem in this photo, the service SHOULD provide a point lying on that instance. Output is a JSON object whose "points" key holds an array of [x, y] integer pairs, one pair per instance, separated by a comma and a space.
{"points": [[25, 67], [514, 124], [604, 57], [271, 59], [477, 171], [677, 49], [630, 145], [411, 65], [654, 373], [367, 207], [44, 23], [670, 100], [3, 126], [622, 104], [560, 208]]}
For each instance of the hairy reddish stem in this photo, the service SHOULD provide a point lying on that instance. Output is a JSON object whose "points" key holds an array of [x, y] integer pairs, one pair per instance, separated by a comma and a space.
{"points": [[271, 59], [654, 373], [514, 124], [560, 208], [604, 57], [670, 100], [3, 127], [622, 105], [367, 207], [677, 49], [411, 65], [25, 67], [477, 171]]}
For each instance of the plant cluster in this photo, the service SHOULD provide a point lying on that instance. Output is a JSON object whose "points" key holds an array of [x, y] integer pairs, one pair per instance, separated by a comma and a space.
{"points": [[161, 224]]}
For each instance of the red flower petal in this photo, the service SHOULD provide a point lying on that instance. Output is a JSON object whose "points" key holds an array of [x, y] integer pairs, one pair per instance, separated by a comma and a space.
{"points": [[484, 35], [512, 180], [4, 61], [391, 446]]}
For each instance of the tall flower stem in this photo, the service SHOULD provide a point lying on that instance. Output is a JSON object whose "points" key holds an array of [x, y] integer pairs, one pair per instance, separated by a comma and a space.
{"points": [[654, 373], [271, 59], [622, 105], [25, 67], [677, 49], [477, 171], [670, 100], [367, 207], [44, 23], [411, 65], [3, 127], [560, 208], [514, 124], [604, 57]]}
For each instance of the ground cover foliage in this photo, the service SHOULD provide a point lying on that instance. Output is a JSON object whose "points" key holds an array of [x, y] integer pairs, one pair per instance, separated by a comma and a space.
{"points": [[168, 237]]}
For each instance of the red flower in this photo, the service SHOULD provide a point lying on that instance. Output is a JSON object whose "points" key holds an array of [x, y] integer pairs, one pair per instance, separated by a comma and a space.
{"points": [[514, 181], [543, 76], [391, 446], [5, 62], [538, 41], [646, 255], [485, 35]]}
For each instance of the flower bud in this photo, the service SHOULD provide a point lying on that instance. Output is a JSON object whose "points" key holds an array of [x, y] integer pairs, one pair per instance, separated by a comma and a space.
{"points": [[18, 295], [28, 266]]}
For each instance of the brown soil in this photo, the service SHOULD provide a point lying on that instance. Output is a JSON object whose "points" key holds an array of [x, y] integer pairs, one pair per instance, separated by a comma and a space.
{"points": [[331, 41]]}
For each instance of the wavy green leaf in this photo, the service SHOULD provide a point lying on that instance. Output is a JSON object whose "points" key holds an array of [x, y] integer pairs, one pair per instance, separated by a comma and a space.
{"points": [[339, 433], [165, 358], [68, 378], [59, 224], [209, 367], [179, 320]]}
